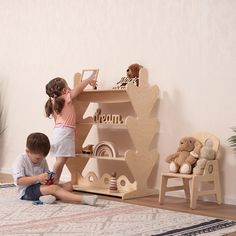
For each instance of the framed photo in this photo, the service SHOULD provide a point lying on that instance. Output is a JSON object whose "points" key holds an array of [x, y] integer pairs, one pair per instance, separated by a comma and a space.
{"points": [[89, 72]]}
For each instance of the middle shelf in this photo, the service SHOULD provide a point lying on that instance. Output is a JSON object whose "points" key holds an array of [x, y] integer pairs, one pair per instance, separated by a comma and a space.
{"points": [[105, 125], [82, 155]]}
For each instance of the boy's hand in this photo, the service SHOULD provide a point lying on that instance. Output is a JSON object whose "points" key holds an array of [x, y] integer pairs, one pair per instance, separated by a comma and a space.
{"points": [[43, 178]]}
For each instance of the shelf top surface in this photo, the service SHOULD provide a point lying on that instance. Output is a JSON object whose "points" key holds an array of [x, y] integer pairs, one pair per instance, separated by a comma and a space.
{"points": [[104, 90]]}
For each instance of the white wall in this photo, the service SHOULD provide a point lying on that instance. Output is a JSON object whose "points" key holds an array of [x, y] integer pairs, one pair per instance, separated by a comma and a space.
{"points": [[188, 46]]}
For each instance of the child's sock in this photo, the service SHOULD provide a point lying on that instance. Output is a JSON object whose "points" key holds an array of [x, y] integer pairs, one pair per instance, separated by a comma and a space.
{"points": [[47, 199], [89, 199]]}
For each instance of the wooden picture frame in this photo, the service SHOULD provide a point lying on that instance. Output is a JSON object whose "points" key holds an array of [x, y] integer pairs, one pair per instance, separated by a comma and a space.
{"points": [[86, 73]]}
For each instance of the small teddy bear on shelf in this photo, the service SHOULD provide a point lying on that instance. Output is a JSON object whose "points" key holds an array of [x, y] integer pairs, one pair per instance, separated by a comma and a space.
{"points": [[132, 76], [207, 153], [133, 71], [186, 156]]}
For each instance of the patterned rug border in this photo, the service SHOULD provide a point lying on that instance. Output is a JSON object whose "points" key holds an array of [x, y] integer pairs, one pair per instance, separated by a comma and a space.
{"points": [[6, 185], [111, 218], [205, 227]]}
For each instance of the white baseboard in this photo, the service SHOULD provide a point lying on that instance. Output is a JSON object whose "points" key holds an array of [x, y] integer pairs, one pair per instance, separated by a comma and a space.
{"points": [[65, 178], [226, 200], [230, 200], [5, 170]]}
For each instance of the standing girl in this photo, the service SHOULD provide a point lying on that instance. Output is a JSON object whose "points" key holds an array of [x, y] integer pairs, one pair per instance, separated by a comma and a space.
{"points": [[60, 106]]}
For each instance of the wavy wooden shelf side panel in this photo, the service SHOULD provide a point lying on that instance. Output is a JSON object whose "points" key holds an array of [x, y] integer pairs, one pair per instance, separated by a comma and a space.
{"points": [[142, 132], [141, 165], [144, 97]]}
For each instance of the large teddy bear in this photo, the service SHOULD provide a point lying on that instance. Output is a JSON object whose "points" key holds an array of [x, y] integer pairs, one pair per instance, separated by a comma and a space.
{"points": [[207, 153], [186, 156]]}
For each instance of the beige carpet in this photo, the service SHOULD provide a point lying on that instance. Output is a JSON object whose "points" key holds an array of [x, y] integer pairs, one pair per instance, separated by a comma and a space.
{"points": [[109, 218]]}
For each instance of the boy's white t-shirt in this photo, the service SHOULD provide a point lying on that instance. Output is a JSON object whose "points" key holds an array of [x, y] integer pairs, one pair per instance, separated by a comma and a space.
{"points": [[25, 167]]}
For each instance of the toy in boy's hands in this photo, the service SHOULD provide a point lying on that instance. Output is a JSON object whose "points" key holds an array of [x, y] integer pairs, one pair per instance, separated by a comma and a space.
{"points": [[50, 178]]}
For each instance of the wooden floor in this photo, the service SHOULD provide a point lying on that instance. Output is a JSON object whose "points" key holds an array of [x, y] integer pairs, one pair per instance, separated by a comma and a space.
{"points": [[224, 211]]}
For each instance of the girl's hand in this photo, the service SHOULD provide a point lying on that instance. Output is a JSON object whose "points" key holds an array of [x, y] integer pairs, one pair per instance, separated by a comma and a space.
{"points": [[79, 88], [43, 178], [93, 82], [93, 79]]}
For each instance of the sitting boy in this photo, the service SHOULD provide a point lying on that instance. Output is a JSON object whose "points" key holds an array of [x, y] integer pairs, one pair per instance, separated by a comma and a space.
{"points": [[30, 175]]}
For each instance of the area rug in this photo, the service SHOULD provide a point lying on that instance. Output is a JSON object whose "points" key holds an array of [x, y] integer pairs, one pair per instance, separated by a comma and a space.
{"points": [[107, 218]]}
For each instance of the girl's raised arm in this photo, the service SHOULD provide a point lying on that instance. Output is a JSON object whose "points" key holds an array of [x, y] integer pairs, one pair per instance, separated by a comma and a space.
{"points": [[79, 88]]}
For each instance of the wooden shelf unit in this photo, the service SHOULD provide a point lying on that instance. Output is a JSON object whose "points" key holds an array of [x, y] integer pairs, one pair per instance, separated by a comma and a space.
{"points": [[142, 129]]}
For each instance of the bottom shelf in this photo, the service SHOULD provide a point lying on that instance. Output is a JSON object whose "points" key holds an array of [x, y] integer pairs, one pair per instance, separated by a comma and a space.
{"points": [[92, 189], [124, 195]]}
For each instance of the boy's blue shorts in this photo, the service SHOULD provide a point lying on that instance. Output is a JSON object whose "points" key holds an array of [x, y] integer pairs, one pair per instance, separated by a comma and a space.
{"points": [[32, 193]]}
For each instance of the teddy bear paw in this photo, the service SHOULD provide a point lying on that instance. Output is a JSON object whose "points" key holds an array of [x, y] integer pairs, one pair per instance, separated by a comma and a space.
{"points": [[173, 167], [185, 169]]}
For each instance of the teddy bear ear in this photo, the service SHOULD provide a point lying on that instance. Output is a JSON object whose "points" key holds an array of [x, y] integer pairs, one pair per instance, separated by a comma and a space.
{"points": [[208, 143], [197, 147], [134, 70]]}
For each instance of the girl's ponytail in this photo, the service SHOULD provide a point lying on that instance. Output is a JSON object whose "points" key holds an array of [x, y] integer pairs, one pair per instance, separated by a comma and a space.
{"points": [[54, 89], [48, 107], [58, 104]]}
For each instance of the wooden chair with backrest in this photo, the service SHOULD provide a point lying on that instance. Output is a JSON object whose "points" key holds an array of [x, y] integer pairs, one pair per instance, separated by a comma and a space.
{"points": [[191, 182]]}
